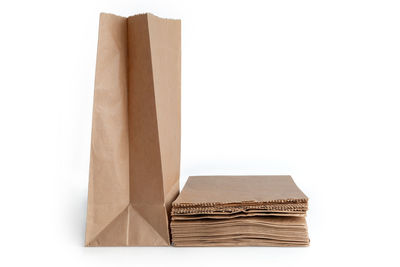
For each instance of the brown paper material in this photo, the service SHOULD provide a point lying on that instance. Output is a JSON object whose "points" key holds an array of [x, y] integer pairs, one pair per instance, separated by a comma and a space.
{"points": [[206, 190], [135, 149], [240, 211]]}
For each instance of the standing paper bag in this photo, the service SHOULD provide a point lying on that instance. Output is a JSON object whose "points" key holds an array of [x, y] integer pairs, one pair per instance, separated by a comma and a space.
{"points": [[135, 149]]}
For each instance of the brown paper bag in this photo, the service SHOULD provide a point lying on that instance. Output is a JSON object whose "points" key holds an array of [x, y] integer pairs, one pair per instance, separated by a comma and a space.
{"points": [[267, 210], [135, 149]]}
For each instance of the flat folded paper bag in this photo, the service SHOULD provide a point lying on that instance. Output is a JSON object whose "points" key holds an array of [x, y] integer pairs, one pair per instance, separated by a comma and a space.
{"points": [[135, 148], [216, 193], [240, 211]]}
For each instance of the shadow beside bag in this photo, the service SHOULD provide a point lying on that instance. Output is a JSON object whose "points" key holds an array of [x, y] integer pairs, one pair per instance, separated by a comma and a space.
{"points": [[135, 148]]}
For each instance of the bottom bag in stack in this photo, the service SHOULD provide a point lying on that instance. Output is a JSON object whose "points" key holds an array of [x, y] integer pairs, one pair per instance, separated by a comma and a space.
{"points": [[240, 211]]}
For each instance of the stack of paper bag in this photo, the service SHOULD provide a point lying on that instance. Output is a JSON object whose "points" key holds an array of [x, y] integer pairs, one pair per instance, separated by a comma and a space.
{"points": [[240, 211]]}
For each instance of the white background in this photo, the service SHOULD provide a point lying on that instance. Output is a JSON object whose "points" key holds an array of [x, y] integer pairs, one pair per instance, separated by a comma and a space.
{"points": [[306, 88]]}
